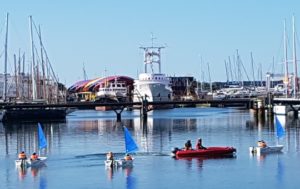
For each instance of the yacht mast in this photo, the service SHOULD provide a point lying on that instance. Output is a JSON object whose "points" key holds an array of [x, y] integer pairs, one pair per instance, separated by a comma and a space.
{"points": [[201, 74], [5, 62], [16, 76], [295, 60], [286, 77], [43, 65], [252, 69], [226, 69], [230, 69], [34, 96], [209, 77]]}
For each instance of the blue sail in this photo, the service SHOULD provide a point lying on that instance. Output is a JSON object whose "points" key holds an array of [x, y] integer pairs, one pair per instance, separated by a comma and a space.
{"points": [[42, 139], [279, 128], [130, 144]]}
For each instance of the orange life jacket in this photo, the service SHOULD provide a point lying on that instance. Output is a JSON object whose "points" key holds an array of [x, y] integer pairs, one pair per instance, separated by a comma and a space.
{"points": [[262, 144]]}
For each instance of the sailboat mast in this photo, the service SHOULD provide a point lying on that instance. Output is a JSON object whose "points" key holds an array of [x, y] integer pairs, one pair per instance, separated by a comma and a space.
{"points": [[19, 73], [227, 77], [286, 79], [209, 77], [43, 64], [295, 60], [34, 95], [252, 69], [16, 76], [230, 68], [23, 76], [5, 61], [238, 62], [201, 74]]}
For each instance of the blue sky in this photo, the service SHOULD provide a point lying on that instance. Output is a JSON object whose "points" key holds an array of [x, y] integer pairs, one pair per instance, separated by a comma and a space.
{"points": [[107, 34]]}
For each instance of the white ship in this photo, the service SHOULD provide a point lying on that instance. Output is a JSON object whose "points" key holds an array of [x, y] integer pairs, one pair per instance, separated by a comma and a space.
{"points": [[152, 86], [116, 90]]}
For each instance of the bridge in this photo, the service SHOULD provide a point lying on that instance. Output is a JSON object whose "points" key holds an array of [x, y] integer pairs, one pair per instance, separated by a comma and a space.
{"points": [[92, 105], [14, 111]]}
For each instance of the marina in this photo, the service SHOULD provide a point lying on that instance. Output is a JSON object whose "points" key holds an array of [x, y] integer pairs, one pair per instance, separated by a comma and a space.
{"points": [[212, 102]]}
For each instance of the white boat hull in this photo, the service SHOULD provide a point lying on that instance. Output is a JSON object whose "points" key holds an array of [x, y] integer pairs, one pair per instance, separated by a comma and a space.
{"points": [[265, 150], [29, 163], [118, 163]]}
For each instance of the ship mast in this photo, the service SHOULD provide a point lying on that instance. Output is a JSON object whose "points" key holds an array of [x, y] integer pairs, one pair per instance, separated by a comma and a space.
{"points": [[286, 79], [295, 60], [43, 64], [5, 62], [34, 95], [152, 55]]}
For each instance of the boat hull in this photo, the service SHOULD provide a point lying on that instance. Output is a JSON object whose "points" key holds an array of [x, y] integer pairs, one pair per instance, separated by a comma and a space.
{"points": [[210, 151], [118, 163], [29, 163], [265, 150]]}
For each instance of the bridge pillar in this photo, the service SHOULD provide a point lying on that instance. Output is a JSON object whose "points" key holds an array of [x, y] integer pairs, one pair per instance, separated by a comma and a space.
{"points": [[296, 114], [118, 113], [145, 109], [260, 109], [270, 104], [118, 116]]}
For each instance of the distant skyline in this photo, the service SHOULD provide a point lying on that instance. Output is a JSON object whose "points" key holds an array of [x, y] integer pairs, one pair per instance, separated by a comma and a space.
{"points": [[106, 35]]}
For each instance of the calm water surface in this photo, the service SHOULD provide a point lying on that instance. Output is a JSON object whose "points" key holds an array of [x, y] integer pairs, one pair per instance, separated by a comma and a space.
{"points": [[76, 151]]}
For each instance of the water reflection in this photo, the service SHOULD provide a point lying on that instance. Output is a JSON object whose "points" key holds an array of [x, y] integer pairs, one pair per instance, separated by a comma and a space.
{"points": [[34, 171], [110, 172], [21, 173], [280, 172], [130, 179], [200, 161], [24, 136]]}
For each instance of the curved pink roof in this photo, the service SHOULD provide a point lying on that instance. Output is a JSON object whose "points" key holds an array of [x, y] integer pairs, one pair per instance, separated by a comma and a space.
{"points": [[94, 84]]}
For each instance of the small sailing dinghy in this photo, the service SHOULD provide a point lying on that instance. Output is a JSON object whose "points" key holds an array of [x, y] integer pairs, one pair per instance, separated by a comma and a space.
{"points": [[258, 150], [130, 146], [41, 160]]}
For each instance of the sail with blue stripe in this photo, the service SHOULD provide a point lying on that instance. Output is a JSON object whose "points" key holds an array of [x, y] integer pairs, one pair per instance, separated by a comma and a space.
{"points": [[42, 139], [279, 128], [130, 144]]}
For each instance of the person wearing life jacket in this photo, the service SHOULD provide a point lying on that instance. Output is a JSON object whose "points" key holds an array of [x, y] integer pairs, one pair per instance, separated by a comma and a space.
{"points": [[128, 157], [188, 145], [262, 144], [110, 156], [199, 144], [22, 156], [34, 156]]}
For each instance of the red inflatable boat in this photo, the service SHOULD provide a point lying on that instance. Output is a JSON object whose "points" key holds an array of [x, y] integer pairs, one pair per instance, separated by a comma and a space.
{"points": [[209, 151]]}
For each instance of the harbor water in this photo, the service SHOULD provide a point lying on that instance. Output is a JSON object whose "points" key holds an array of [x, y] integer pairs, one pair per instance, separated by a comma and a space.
{"points": [[77, 149]]}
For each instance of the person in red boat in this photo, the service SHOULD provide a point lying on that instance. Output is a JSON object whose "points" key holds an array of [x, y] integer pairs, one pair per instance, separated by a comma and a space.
{"points": [[199, 145], [188, 145]]}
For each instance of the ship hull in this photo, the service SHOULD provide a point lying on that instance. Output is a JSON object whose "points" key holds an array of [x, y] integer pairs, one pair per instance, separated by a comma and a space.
{"points": [[153, 92]]}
